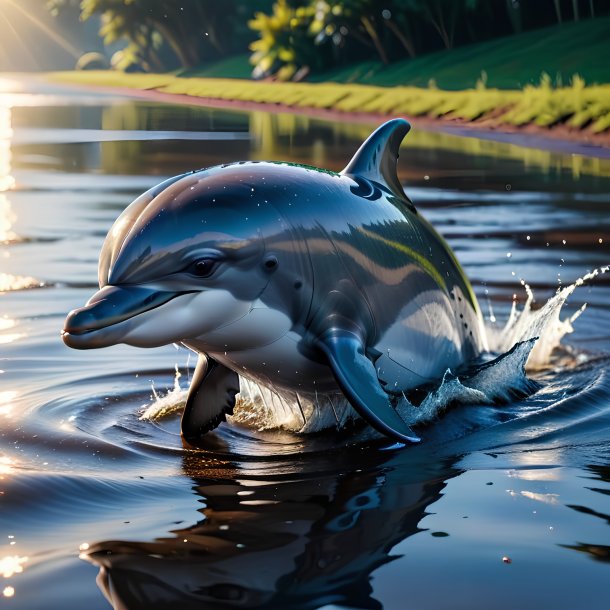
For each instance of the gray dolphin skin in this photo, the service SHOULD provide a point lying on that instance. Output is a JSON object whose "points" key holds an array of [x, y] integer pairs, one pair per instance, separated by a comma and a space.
{"points": [[316, 285]]}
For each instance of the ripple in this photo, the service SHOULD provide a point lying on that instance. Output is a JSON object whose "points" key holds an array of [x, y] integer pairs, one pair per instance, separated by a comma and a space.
{"points": [[96, 423]]}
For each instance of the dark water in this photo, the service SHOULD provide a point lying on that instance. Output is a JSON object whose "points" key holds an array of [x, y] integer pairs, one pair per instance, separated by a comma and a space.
{"points": [[276, 520]]}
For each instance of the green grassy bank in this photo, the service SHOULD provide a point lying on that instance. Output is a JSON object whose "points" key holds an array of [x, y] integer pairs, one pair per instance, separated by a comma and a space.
{"points": [[444, 85], [576, 107], [511, 62]]}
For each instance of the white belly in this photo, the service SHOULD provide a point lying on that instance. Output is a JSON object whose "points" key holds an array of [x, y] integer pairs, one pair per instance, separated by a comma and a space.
{"points": [[280, 364], [263, 347]]}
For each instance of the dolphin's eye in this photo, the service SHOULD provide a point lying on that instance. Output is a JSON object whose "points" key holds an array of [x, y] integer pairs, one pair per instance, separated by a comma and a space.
{"points": [[204, 267]]}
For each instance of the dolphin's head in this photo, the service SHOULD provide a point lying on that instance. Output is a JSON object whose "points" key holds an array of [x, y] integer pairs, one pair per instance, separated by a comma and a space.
{"points": [[184, 260]]}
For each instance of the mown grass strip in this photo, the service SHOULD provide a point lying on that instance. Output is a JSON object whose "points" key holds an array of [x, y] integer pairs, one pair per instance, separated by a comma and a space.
{"points": [[577, 105]]}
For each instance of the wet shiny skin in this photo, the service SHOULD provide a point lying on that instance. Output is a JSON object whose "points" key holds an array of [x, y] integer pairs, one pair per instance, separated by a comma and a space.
{"points": [[297, 254]]}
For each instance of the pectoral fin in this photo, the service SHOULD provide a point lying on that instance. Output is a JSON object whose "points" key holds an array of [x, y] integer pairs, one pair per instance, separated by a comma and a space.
{"points": [[211, 397], [357, 378]]}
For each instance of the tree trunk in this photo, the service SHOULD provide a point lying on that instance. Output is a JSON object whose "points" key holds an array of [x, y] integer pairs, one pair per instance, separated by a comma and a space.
{"points": [[592, 10], [515, 16], [442, 32], [557, 10], [439, 26], [174, 44], [155, 59], [575, 8], [360, 37], [407, 43], [211, 28], [370, 30]]}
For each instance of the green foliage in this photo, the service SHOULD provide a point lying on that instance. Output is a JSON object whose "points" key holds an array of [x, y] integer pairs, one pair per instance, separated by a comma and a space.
{"points": [[510, 62], [299, 37], [285, 44], [338, 23], [164, 34]]}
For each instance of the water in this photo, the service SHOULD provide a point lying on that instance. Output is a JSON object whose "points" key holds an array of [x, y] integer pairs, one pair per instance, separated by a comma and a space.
{"points": [[498, 506]]}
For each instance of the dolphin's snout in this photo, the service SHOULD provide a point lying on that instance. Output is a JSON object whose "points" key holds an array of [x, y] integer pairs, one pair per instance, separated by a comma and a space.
{"points": [[84, 327], [80, 321]]}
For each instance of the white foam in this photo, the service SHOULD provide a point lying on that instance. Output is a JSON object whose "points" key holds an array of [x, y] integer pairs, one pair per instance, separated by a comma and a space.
{"points": [[164, 405], [526, 342], [496, 382], [265, 409], [544, 324]]}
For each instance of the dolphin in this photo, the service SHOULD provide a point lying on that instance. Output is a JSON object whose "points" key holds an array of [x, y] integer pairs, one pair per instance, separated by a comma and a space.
{"points": [[314, 284]]}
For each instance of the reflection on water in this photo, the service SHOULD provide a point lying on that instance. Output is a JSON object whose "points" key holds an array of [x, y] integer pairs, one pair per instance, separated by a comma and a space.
{"points": [[6, 463], [276, 132], [273, 543], [11, 565], [272, 519], [265, 136], [6, 180]]}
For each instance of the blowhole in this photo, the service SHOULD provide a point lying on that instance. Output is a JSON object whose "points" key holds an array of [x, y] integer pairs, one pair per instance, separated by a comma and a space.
{"points": [[298, 284]]}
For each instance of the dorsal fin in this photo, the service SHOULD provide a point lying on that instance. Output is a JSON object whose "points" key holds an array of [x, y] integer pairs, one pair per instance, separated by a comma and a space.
{"points": [[376, 158]]}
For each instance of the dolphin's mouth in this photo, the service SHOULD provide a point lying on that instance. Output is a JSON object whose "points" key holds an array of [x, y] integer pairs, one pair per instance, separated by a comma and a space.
{"points": [[108, 308]]}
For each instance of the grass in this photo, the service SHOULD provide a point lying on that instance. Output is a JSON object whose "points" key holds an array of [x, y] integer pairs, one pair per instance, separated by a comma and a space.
{"points": [[237, 66], [576, 106], [498, 82], [511, 62]]}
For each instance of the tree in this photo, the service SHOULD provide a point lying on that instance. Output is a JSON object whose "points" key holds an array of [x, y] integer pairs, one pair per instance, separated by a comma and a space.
{"points": [[443, 15], [190, 29], [359, 19], [285, 45]]}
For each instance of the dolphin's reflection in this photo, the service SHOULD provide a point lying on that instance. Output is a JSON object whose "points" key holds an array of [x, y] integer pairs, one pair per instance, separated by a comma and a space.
{"points": [[294, 543]]}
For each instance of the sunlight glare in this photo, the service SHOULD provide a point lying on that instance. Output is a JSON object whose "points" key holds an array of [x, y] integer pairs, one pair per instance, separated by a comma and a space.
{"points": [[8, 591], [11, 565], [7, 182], [8, 85], [63, 42], [6, 399]]}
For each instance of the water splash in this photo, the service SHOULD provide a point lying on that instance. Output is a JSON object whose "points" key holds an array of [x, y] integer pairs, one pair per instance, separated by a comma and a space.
{"points": [[165, 405], [544, 324], [495, 382], [525, 343], [265, 409]]}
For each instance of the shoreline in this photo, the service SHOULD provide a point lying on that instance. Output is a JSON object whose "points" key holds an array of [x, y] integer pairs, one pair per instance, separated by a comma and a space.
{"points": [[554, 140], [560, 139]]}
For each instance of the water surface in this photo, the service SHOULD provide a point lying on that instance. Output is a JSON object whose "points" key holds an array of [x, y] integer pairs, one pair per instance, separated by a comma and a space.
{"points": [[498, 507]]}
